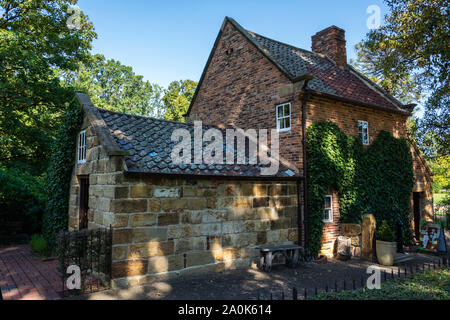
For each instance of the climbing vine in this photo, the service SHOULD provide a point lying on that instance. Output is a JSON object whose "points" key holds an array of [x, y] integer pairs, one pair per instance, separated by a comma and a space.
{"points": [[59, 173], [377, 179]]}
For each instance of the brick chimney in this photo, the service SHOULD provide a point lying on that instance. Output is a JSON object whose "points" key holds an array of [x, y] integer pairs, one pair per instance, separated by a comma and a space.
{"points": [[331, 42]]}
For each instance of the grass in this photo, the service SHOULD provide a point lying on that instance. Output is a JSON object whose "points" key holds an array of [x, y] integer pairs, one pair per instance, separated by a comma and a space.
{"points": [[439, 197], [430, 285]]}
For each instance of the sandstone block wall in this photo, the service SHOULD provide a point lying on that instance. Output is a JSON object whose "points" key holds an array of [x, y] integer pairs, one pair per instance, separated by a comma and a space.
{"points": [[169, 227]]}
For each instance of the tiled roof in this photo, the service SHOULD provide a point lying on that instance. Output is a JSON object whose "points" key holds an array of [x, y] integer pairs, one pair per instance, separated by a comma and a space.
{"points": [[148, 144], [328, 77]]}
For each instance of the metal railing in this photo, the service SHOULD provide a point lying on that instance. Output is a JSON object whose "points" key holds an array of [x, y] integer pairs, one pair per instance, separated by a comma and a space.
{"points": [[85, 254]]}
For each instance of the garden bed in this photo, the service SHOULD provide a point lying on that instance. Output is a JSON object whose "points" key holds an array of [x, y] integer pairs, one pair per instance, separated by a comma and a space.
{"points": [[430, 285]]}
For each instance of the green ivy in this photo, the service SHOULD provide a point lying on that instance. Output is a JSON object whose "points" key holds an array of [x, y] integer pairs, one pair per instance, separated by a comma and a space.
{"points": [[60, 171], [377, 179]]}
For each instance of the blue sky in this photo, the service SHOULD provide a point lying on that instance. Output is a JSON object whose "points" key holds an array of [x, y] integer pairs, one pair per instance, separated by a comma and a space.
{"points": [[171, 40]]}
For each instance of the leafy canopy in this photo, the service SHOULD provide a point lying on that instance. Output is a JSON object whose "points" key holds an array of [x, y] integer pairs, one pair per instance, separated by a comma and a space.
{"points": [[35, 39], [177, 99], [409, 57], [114, 86]]}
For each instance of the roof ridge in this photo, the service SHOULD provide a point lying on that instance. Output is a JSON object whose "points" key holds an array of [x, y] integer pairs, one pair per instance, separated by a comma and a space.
{"points": [[291, 46]]}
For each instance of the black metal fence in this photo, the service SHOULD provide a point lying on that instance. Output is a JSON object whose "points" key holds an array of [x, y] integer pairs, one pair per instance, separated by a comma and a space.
{"points": [[85, 254], [400, 272]]}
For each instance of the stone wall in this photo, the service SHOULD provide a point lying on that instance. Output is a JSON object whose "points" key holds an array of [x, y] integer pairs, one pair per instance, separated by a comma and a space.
{"points": [[105, 178], [169, 227]]}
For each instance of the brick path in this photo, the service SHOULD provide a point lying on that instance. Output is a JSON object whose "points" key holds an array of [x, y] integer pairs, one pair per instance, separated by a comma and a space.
{"points": [[24, 276]]}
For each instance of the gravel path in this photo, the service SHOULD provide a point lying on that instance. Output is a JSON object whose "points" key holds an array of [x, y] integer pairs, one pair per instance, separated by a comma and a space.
{"points": [[253, 284]]}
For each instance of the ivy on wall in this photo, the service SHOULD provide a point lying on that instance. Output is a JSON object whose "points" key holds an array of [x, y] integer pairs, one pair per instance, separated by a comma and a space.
{"points": [[59, 173], [377, 179]]}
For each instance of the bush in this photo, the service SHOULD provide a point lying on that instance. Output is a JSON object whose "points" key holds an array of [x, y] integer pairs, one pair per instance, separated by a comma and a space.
{"points": [[40, 245], [385, 232]]}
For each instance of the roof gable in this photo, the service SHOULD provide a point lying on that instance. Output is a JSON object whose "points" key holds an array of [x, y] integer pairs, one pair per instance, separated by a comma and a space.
{"points": [[328, 78]]}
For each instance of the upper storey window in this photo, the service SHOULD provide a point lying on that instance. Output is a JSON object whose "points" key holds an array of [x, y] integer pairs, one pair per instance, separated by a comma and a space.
{"points": [[82, 147], [284, 117], [363, 131]]}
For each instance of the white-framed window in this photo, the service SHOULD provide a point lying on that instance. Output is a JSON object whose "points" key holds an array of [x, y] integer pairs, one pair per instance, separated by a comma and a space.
{"points": [[328, 210], [363, 131], [283, 117], [81, 154]]}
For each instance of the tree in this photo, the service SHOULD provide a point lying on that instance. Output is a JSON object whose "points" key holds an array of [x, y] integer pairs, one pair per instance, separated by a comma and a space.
{"points": [[177, 99], [35, 39], [409, 55], [112, 85]]}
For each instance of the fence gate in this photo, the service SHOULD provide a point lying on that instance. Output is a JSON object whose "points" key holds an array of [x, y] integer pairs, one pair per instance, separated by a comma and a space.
{"points": [[85, 260]]}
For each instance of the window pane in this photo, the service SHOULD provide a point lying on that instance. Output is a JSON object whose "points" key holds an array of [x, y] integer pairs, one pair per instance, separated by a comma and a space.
{"points": [[286, 110], [279, 111], [327, 202], [287, 122]]}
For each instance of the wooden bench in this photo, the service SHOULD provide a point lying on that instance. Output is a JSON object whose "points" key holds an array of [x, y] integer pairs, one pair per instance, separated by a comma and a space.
{"points": [[267, 254]]}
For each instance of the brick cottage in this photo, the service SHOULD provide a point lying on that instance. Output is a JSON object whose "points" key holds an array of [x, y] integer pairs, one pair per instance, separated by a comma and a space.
{"points": [[171, 220]]}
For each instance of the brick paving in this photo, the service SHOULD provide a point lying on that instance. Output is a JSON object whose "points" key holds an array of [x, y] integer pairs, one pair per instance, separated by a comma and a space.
{"points": [[24, 276]]}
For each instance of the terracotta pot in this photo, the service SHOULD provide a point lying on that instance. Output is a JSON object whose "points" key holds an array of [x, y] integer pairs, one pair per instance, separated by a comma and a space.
{"points": [[386, 252]]}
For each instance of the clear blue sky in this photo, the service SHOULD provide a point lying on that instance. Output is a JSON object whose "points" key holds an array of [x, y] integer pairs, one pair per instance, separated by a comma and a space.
{"points": [[171, 40]]}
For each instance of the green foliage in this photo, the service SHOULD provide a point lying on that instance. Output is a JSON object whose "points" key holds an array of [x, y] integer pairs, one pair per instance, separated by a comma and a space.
{"points": [[430, 285], [59, 172], [178, 98], [377, 179], [385, 232], [40, 245], [409, 55], [441, 173], [22, 198], [113, 86], [34, 39]]}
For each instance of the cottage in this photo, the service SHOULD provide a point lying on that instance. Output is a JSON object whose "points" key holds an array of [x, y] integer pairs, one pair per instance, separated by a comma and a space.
{"points": [[173, 219]]}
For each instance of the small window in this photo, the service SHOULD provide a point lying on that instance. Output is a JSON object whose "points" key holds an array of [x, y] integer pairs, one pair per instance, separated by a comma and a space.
{"points": [[328, 210], [82, 147], [284, 117], [363, 131]]}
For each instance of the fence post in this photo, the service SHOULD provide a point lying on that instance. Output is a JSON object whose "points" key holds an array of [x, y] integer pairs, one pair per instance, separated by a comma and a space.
{"points": [[294, 294]]}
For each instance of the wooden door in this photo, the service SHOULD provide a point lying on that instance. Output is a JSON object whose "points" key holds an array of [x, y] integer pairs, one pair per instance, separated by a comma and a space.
{"points": [[84, 202]]}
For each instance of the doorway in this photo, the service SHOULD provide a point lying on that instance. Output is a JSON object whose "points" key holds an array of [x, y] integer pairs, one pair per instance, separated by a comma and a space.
{"points": [[84, 202], [417, 213]]}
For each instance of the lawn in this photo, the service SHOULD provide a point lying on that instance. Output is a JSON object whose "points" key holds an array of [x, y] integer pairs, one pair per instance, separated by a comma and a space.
{"points": [[431, 285]]}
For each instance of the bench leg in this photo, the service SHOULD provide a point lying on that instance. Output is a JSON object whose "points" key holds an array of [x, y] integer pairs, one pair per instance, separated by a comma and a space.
{"points": [[268, 261], [261, 265], [294, 259]]}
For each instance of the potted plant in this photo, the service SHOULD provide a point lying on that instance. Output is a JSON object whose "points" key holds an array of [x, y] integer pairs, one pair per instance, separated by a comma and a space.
{"points": [[386, 246]]}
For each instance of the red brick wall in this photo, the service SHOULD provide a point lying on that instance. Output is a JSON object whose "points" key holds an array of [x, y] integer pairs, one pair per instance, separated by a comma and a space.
{"points": [[346, 116], [243, 88]]}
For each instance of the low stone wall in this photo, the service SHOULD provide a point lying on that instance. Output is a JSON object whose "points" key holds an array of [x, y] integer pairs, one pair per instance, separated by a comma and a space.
{"points": [[169, 227]]}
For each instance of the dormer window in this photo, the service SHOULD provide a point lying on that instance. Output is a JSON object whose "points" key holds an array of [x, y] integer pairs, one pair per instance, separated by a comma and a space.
{"points": [[82, 147], [284, 117], [363, 132]]}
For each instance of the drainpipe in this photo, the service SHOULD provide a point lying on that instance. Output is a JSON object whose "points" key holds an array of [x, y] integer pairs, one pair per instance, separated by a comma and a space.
{"points": [[306, 95]]}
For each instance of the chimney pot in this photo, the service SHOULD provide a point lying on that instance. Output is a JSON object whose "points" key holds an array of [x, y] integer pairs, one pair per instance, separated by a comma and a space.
{"points": [[331, 42]]}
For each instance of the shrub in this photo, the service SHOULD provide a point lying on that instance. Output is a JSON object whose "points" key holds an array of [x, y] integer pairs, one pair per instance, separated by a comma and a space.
{"points": [[385, 232], [40, 245]]}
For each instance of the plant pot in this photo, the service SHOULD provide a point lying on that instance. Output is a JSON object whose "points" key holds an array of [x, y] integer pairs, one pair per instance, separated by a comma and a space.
{"points": [[386, 252]]}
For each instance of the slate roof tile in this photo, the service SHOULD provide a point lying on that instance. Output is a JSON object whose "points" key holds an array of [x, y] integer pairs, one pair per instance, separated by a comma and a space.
{"points": [[149, 146]]}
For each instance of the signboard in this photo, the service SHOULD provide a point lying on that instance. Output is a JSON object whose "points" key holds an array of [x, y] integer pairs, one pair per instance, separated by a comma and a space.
{"points": [[432, 237]]}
